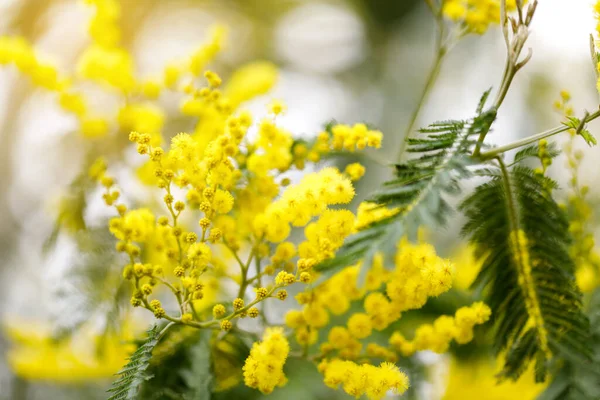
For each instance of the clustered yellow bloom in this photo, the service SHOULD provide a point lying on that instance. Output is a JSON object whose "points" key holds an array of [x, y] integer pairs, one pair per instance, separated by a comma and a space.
{"points": [[334, 296], [300, 203], [418, 274], [369, 213], [358, 137], [230, 184], [338, 137], [37, 355], [355, 171], [475, 15], [108, 65], [263, 369], [364, 379], [437, 336], [104, 61], [18, 51]]}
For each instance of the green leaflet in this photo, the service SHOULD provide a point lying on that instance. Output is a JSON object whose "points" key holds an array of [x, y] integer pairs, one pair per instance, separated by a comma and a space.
{"points": [[529, 284], [575, 123], [443, 155], [134, 373]]}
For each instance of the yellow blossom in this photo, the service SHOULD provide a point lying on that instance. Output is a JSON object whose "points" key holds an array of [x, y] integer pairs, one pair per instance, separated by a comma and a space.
{"points": [[34, 354], [263, 369]]}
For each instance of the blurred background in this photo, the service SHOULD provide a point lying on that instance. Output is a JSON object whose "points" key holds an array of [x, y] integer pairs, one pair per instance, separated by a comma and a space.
{"points": [[348, 60]]}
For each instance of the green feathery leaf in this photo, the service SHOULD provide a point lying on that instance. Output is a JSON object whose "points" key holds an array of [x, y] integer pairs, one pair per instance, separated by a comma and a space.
{"points": [[418, 189], [576, 380], [134, 373], [521, 236]]}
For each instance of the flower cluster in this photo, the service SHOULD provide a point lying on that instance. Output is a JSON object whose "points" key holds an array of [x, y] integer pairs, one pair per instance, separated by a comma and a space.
{"points": [[419, 274], [37, 355], [475, 16], [106, 65], [301, 203], [364, 379], [437, 336], [263, 369]]}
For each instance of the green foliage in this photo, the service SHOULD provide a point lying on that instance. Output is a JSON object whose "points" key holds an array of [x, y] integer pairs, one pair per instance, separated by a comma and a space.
{"points": [[199, 376], [182, 368], [576, 123], [533, 151], [134, 373], [170, 361], [576, 380], [442, 157], [536, 305]]}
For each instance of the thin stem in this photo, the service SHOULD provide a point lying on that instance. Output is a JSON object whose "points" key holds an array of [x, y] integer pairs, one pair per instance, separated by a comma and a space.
{"points": [[212, 322], [244, 283], [165, 329], [175, 291], [258, 271], [510, 200], [532, 139], [440, 51], [194, 312], [431, 78], [256, 278], [235, 255], [174, 215], [522, 142]]}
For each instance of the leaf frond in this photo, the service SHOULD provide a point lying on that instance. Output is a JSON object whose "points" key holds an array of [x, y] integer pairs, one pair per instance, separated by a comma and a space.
{"points": [[521, 236], [576, 380], [133, 374]]}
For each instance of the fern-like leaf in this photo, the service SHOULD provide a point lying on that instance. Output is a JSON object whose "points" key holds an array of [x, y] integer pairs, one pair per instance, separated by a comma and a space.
{"points": [[133, 373], [521, 235], [418, 190], [576, 380]]}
